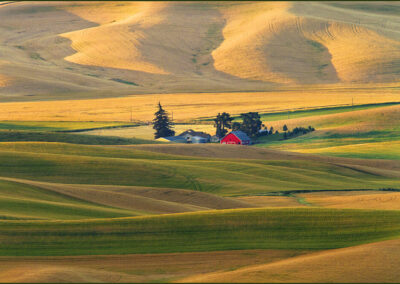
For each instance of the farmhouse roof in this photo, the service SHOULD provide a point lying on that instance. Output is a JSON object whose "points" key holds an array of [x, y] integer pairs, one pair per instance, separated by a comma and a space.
{"points": [[191, 132], [241, 135]]}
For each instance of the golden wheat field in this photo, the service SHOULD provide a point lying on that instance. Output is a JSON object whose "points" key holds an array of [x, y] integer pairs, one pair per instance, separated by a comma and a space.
{"points": [[366, 263], [103, 49], [132, 268], [184, 107], [357, 200]]}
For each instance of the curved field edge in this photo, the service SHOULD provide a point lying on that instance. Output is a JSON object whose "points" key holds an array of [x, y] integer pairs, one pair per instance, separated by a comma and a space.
{"points": [[201, 231]]}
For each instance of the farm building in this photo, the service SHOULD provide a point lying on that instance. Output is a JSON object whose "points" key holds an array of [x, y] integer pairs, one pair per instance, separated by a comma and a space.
{"points": [[192, 136], [236, 137], [214, 139]]}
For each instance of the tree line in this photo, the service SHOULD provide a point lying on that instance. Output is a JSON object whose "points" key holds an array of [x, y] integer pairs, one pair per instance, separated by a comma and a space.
{"points": [[251, 125]]}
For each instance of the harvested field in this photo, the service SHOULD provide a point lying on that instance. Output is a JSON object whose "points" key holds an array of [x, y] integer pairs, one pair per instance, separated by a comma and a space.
{"points": [[193, 47], [132, 268], [354, 199], [371, 263], [4, 81], [271, 201], [187, 106]]}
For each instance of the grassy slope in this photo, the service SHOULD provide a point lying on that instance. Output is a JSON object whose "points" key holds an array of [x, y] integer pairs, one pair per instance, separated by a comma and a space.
{"points": [[205, 231], [370, 133], [136, 199], [26, 135], [21, 201], [377, 150], [98, 165]]}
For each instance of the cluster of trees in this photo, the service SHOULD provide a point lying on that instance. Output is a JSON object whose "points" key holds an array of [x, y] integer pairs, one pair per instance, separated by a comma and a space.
{"points": [[222, 123], [296, 131], [251, 124]]}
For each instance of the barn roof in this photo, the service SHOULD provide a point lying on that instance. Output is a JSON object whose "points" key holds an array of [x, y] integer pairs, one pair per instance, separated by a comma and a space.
{"points": [[241, 135]]}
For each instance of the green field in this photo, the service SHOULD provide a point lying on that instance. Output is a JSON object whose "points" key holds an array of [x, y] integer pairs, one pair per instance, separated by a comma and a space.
{"points": [[378, 144], [65, 163], [366, 150], [205, 231], [38, 221], [21, 201], [45, 136], [372, 134]]}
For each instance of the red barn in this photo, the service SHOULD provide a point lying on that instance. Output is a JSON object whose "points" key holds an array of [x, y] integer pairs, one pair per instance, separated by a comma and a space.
{"points": [[236, 137]]}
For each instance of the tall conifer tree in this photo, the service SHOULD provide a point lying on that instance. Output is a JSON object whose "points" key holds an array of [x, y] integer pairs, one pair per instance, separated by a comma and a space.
{"points": [[162, 124]]}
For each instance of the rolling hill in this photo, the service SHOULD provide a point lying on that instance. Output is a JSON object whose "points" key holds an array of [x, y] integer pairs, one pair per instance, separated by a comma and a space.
{"points": [[97, 49], [365, 263], [281, 171], [231, 229], [130, 201]]}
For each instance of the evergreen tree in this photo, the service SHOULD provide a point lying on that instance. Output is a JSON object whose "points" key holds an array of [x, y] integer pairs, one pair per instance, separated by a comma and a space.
{"points": [[251, 123], [285, 134], [161, 124]]}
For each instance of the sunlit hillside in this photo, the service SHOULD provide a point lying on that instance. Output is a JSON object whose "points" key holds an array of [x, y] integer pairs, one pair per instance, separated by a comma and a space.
{"points": [[98, 49]]}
